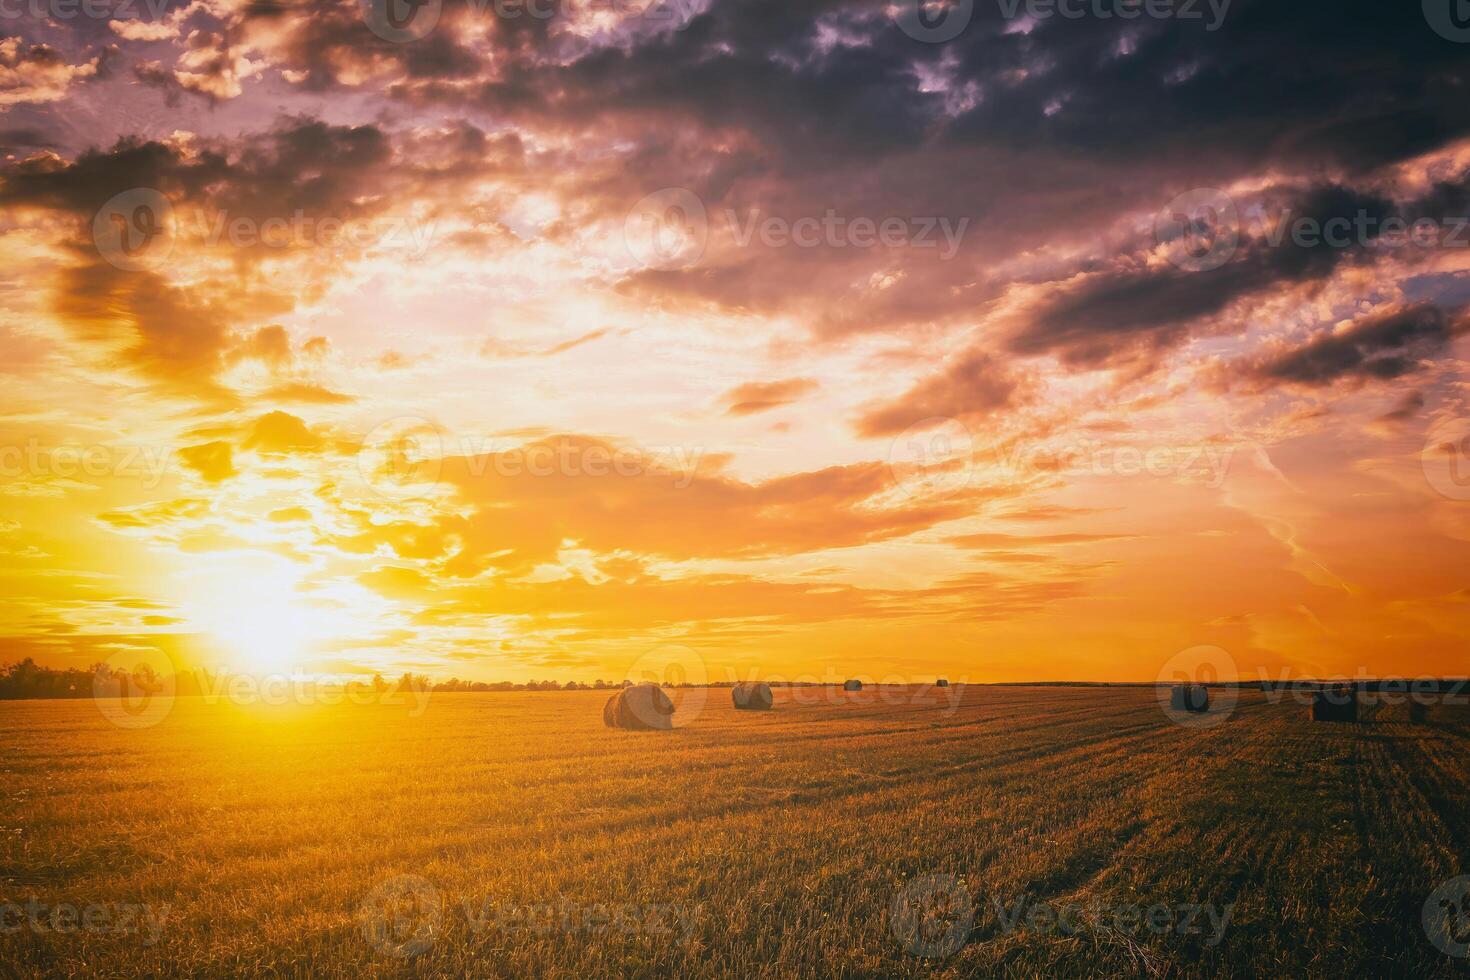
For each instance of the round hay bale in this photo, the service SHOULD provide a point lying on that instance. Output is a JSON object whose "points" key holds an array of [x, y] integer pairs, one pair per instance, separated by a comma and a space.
{"points": [[752, 696], [1338, 702], [853, 686], [1193, 698], [642, 707]]}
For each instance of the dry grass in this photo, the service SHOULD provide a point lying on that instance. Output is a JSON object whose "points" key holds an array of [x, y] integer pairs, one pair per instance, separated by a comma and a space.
{"points": [[766, 843]]}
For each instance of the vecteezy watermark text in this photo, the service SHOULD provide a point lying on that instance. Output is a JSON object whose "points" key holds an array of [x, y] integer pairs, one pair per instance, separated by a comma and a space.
{"points": [[1202, 229], [932, 916], [138, 229], [565, 917], [119, 10], [833, 230], [937, 21], [148, 463], [671, 228], [282, 689], [1023, 914], [891, 689], [940, 455], [1366, 230], [132, 693], [1212, 12], [301, 228], [403, 916], [404, 458], [93, 918], [1093, 457], [675, 12], [402, 21], [573, 459]]}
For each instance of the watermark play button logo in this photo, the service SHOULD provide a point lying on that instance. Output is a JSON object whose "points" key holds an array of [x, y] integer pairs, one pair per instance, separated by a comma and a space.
{"points": [[931, 916], [682, 673], [400, 21], [135, 688], [1447, 917], [667, 230], [934, 21], [932, 456], [402, 458], [402, 916], [134, 230], [1445, 459], [1450, 19], [1199, 229]]}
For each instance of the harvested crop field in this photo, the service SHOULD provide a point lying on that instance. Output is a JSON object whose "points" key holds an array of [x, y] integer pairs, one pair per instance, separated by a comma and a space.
{"points": [[968, 830]]}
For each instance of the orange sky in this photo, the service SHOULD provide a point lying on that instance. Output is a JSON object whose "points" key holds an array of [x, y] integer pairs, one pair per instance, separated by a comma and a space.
{"points": [[526, 349]]}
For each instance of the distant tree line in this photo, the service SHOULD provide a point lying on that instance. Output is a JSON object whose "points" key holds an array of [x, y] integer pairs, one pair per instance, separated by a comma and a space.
{"points": [[455, 684], [27, 679]]}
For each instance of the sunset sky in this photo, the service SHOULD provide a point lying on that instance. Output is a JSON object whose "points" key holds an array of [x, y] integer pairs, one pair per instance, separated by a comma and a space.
{"points": [[764, 330]]}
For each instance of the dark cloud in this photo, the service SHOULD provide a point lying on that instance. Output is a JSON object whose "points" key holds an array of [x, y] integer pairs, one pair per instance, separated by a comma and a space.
{"points": [[182, 338], [1141, 306], [19, 138], [176, 338], [303, 164], [1381, 346], [1355, 84], [153, 74], [1407, 409], [329, 41], [1046, 132], [83, 186], [1045, 135], [975, 385]]}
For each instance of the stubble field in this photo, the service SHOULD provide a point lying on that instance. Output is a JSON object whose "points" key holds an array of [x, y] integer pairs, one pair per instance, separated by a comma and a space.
{"points": [[961, 831]]}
